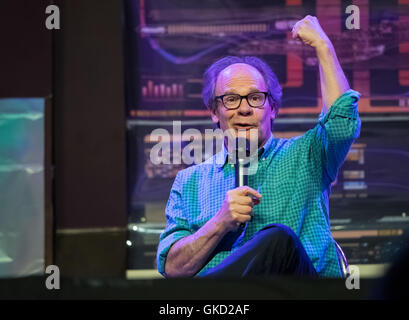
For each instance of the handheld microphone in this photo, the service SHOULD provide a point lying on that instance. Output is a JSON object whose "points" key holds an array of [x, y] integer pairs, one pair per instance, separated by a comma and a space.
{"points": [[242, 153]]}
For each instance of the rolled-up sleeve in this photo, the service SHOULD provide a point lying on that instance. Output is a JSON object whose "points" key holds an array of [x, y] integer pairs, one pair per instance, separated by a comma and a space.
{"points": [[337, 130], [329, 144], [177, 226]]}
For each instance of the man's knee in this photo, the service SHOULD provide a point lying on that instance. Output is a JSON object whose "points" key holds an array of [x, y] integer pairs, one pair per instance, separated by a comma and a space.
{"points": [[282, 242], [278, 232]]}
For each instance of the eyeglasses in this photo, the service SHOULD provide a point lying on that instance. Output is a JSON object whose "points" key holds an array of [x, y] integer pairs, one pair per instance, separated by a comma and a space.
{"points": [[233, 101]]}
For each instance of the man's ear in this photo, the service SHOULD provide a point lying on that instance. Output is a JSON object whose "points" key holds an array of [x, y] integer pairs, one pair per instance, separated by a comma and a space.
{"points": [[273, 114], [215, 118]]}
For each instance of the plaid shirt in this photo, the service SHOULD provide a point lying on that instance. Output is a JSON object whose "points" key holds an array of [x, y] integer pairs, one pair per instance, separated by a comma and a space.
{"points": [[294, 177]]}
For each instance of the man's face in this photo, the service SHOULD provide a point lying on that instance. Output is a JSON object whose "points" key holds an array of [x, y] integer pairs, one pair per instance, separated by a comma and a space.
{"points": [[242, 79]]}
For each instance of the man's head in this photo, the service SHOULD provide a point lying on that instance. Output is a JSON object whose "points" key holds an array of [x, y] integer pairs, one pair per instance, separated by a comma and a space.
{"points": [[242, 76]]}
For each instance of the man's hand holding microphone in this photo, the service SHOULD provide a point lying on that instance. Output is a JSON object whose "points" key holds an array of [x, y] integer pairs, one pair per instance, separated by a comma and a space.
{"points": [[237, 207]]}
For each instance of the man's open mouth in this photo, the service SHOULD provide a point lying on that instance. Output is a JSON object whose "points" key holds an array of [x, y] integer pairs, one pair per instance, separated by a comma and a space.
{"points": [[243, 126]]}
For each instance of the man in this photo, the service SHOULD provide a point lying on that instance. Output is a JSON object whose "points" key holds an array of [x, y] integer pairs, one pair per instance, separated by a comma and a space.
{"points": [[284, 208]]}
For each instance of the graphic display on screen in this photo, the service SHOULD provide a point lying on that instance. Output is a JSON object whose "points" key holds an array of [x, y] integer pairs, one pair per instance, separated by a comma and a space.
{"points": [[170, 44]]}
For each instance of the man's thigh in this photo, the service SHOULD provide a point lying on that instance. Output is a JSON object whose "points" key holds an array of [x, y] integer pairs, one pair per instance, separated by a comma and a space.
{"points": [[272, 250]]}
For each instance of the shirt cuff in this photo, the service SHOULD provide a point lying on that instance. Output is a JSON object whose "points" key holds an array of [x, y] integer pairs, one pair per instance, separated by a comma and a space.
{"points": [[165, 245]]}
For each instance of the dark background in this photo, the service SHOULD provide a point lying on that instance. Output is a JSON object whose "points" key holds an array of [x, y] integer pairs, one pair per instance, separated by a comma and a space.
{"points": [[79, 70]]}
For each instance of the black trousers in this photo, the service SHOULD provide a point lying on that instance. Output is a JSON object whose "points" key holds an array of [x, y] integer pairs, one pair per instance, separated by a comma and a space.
{"points": [[274, 250]]}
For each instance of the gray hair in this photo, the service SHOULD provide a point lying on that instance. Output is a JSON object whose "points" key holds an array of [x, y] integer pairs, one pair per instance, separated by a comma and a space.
{"points": [[211, 74]]}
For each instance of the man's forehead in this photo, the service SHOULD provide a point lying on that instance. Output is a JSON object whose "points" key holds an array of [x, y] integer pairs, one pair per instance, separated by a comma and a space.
{"points": [[239, 75], [239, 69]]}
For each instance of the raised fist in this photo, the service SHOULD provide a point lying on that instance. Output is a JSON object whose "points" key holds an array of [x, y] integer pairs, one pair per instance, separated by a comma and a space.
{"points": [[309, 31]]}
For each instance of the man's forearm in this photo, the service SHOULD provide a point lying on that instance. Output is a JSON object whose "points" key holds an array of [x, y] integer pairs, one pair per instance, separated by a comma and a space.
{"points": [[188, 255], [332, 78]]}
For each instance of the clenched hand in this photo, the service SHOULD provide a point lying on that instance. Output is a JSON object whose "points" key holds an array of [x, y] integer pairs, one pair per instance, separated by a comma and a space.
{"points": [[237, 207], [309, 31]]}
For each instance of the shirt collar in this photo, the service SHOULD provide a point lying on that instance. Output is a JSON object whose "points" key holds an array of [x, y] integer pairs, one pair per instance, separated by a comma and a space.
{"points": [[221, 157]]}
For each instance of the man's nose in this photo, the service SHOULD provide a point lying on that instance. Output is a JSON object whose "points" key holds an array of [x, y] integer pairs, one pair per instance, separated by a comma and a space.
{"points": [[244, 108]]}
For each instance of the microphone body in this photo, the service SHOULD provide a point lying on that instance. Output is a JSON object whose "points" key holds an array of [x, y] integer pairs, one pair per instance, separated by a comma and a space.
{"points": [[241, 164], [242, 152], [241, 175]]}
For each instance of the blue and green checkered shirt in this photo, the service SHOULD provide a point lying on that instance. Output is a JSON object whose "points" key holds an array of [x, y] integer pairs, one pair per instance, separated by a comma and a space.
{"points": [[294, 177]]}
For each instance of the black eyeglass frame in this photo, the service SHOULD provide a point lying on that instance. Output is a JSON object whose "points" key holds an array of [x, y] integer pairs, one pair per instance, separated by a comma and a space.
{"points": [[241, 99]]}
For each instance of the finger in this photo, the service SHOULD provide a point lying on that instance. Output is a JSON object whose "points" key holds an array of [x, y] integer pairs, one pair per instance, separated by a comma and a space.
{"points": [[296, 28], [248, 201], [297, 24], [246, 190], [293, 34], [294, 31], [242, 218], [244, 200], [242, 209], [255, 201]]}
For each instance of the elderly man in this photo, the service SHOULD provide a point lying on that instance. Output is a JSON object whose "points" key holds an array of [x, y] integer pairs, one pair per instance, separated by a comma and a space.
{"points": [[284, 208]]}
